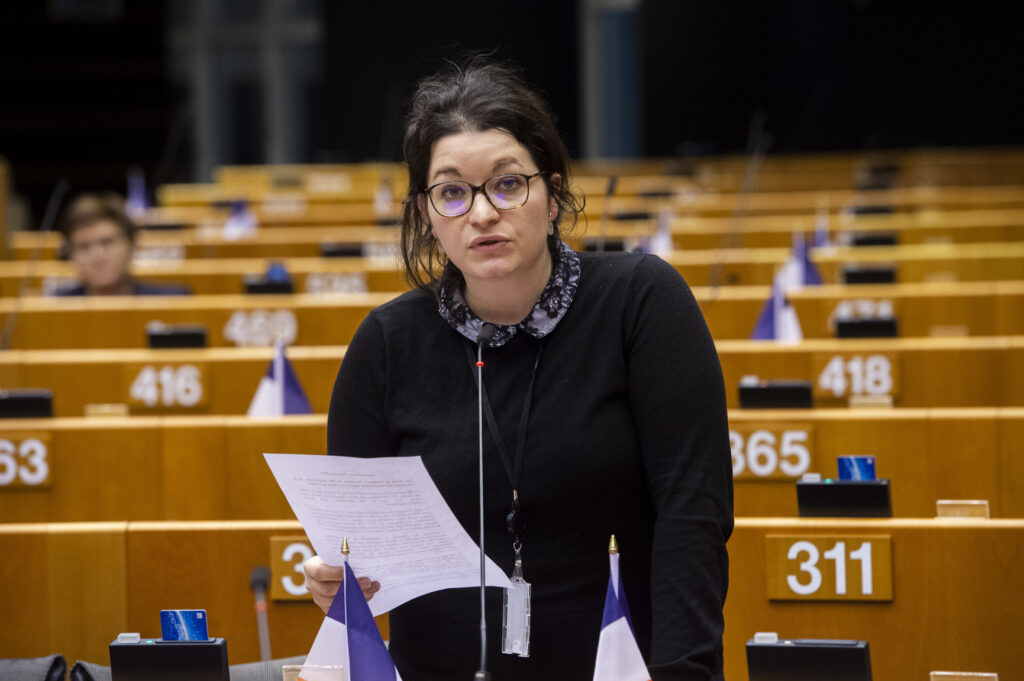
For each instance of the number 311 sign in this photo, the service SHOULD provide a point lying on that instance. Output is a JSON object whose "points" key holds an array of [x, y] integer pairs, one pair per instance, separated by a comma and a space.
{"points": [[829, 567]]}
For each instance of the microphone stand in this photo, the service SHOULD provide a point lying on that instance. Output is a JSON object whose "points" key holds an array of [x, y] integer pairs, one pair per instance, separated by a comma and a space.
{"points": [[483, 338]]}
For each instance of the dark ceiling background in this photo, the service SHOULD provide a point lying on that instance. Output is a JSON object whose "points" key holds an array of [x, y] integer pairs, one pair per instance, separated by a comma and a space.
{"points": [[86, 91]]}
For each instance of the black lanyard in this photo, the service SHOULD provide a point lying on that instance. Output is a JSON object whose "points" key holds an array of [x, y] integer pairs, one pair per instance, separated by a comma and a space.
{"points": [[515, 521]]}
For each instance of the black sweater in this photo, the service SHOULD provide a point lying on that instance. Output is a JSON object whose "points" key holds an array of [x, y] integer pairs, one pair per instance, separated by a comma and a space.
{"points": [[627, 435]]}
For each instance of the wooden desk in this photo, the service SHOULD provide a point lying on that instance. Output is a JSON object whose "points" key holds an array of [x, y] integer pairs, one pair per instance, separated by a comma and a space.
{"points": [[970, 308], [153, 468], [71, 588], [917, 372], [220, 380], [974, 308], [956, 603], [682, 197], [212, 467], [218, 276], [927, 454], [825, 171], [289, 239], [722, 173], [64, 590], [120, 322]]}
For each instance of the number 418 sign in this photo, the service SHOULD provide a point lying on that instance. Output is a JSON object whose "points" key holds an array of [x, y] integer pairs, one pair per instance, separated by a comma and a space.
{"points": [[838, 377]]}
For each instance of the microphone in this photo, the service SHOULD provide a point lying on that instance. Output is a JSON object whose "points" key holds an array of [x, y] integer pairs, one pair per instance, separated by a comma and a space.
{"points": [[259, 580], [487, 332]]}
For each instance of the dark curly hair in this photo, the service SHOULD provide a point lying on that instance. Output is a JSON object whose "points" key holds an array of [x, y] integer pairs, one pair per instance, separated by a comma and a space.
{"points": [[477, 96]]}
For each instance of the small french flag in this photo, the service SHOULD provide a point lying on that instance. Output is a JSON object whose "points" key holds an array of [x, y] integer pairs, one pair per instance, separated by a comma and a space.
{"points": [[778, 320], [349, 637], [618, 655], [279, 391]]}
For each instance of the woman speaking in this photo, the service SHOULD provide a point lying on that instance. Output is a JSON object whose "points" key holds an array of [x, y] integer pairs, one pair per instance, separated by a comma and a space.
{"points": [[604, 401]]}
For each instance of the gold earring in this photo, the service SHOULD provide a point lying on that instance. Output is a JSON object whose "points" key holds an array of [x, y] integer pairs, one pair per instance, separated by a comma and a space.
{"points": [[551, 228]]}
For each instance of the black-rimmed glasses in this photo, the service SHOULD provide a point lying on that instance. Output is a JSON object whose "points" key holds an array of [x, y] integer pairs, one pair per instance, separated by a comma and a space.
{"points": [[504, 192]]}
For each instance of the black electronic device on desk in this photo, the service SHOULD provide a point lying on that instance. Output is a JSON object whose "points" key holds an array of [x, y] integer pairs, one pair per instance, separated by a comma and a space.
{"points": [[133, 658], [775, 394], [772, 659], [875, 239], [160, 335], [879, 327], [329, 250], [261, 284], [831, 498], [855, 274], [26, 403]]}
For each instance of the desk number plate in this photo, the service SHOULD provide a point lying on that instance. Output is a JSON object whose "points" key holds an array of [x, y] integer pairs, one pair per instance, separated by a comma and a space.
{"points": [[771, 451], [829, 567], [177, 387], [287, 580], [25, 461], [837, 377]]}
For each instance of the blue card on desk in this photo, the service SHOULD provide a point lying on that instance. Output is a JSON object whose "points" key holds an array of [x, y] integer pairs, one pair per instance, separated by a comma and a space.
{"points": [[184, 625], [856, 467]]}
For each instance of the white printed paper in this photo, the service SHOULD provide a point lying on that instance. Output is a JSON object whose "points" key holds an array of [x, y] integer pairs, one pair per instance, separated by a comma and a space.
{"points": [[400, 530]]}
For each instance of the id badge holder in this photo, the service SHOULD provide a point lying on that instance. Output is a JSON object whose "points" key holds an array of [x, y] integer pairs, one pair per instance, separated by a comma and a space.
{"points": [[515, 623]]}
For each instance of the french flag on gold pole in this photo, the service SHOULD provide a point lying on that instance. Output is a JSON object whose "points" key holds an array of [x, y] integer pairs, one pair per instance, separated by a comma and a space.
{"points": [[349, 637], [618, 655]]}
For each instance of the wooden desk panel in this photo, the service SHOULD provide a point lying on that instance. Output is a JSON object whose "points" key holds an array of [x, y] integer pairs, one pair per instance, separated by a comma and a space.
{"points": [[956, 605], [208, 565], [76, 586], [158, 468], [212, 468], [688, 232], [955, 601], [928, 454], [636, 176], [679, 196], [974, 308], [121, 322], [738, 268], [231, 375], [64, 589], [929, 372], [978, 308]]}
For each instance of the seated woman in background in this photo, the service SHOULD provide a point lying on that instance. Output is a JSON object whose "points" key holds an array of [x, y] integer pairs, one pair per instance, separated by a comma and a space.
{"points": [[100, 239]]}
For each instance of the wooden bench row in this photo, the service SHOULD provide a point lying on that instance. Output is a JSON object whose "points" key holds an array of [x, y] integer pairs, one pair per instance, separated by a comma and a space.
{"points": [[775, 173], [825, 171], [727, 267], [688, 233], [941, 308], [212, 468], [922, 372], [341, 205], [927, 594]]}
